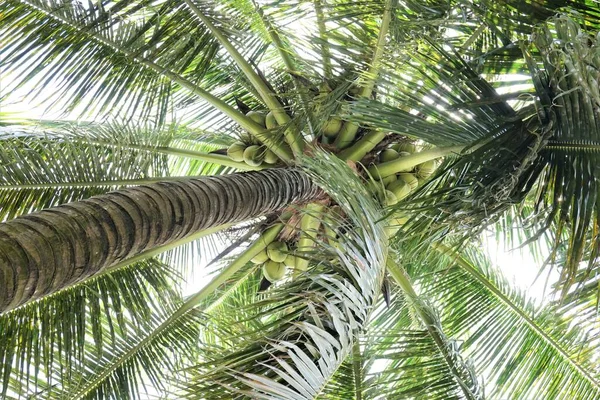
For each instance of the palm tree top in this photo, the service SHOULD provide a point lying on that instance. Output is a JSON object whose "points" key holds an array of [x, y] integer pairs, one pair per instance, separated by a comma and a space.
{"points": [[338, 162]]}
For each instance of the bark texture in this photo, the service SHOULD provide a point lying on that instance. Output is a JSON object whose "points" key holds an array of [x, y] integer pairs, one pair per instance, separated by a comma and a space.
{"points": [[49, 250]]}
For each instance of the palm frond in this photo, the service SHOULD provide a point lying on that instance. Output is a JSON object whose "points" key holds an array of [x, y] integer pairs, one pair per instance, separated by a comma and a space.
{"points": [[43, 166], [525, 351], [560, 176], [438, 98], [399, 359], [104, 40], [53, 337], [121, 59]]}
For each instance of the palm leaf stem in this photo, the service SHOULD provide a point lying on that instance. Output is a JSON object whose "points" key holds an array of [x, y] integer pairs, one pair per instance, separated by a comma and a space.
{"points": [[325, 51], [573, 146], [407, 163], [292, 135], [309, 227], [403, 280], [471, 270], [214, 158], [284, 53], [231, 290], [474, 36], [357, 369], [359, 149], [348, 132], [268, 236], [245, 122]]}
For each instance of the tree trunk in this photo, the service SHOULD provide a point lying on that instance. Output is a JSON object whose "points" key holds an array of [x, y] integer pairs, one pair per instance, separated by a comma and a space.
{"points": [[49, 250]]}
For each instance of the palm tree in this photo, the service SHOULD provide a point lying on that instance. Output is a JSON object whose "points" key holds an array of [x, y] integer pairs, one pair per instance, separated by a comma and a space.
{"points": [[347, 267]]}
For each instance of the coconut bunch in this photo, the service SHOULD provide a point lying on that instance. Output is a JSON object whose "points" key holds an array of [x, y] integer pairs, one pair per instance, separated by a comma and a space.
{"points": [[275, 261], [333, 125], [250, 151], [400, 185]]}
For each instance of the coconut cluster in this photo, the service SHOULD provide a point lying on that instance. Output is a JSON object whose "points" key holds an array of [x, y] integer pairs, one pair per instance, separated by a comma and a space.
{"points": [[332, 127], [399, 186], [275, 261], [250, 151]]}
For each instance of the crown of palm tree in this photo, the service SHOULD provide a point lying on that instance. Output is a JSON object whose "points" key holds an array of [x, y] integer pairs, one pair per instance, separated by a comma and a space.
{"points": [[344, 266]]}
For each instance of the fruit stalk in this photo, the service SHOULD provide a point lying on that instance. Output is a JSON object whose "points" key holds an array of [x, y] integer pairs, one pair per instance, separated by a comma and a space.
{"points": [[309, 226], [348, 132], [407, 163]]}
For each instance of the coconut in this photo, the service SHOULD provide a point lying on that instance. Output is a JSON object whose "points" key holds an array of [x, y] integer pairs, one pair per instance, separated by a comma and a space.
{"points": [[290, 261], [332, 127], [270, 121], [253, 155], [405, 146], [388, 180], [401, 219], [400, 188], [270, 157], [261, 257], [257, 116], [273, 271], [426, 169], [390, 230], [388, 155], [395, 224], [277, 251], [411, 179], [236, 151], [390, 198]]}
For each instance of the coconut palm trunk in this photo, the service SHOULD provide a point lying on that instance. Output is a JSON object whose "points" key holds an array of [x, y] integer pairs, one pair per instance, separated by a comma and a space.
{"points": [[49, 250]]}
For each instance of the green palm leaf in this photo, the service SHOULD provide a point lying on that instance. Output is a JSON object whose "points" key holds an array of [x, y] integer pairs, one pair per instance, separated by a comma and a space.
{"points": [[525, 351], [55, 335], [42, 167]]}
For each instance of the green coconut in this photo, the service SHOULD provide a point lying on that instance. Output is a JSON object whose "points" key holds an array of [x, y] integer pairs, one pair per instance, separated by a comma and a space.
{"points": [[405, 146], [270, 157], [236, 151], [261, 257], [389, 179], [257, 116], [400, 188], [271, 121], [277, 251], [273, 271], [290, 261], [395, 224], [388, 155], [426, 169], [254, 155], [390, 198], [401, 218], [332, 127], [411, 179]]}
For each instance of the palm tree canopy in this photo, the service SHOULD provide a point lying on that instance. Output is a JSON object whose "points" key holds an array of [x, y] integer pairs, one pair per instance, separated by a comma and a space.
{"points": [[384, 139]]}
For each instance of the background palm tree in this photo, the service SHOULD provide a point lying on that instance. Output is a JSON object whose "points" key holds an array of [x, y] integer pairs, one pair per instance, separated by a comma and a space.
{"points": [[387, 293]]}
